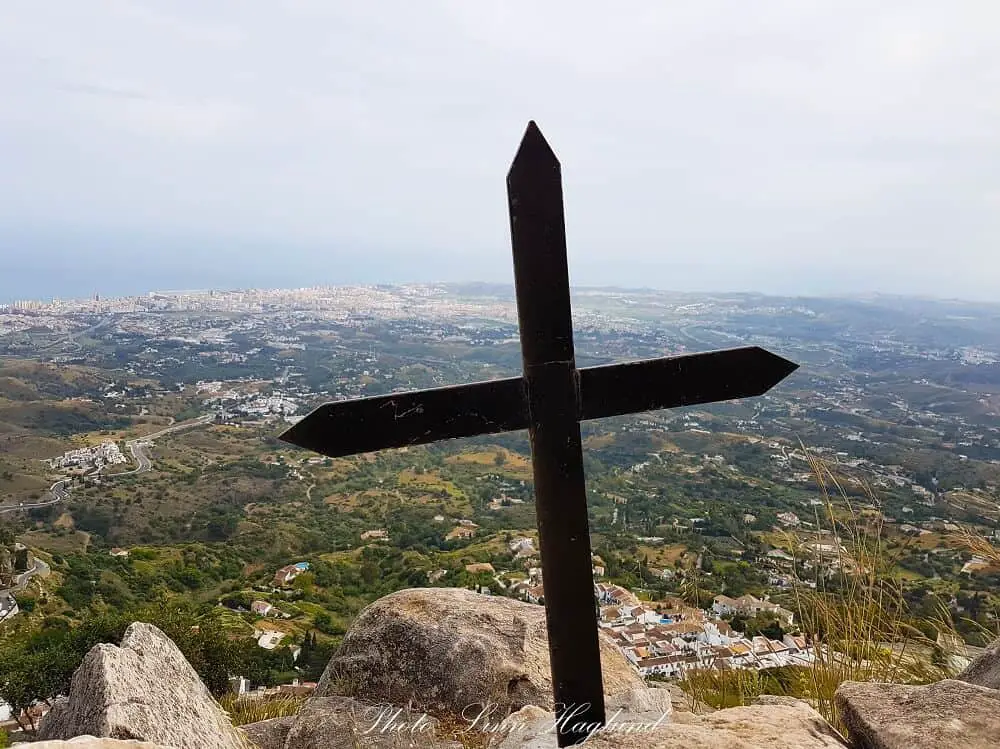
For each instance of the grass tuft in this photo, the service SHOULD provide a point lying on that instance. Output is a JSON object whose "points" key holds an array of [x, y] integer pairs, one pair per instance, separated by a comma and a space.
{"points": [[243, 710]]}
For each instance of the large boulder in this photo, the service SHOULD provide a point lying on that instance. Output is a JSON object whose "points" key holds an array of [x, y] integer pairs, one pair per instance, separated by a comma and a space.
{"points": [[344, 723], [899, 716], [269, 734], [984, 670], [783, 726], [144, 690], [452, 650]]}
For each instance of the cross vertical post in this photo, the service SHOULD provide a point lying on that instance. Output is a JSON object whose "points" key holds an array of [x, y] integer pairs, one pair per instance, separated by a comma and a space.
{"points": [[551, 382], [550, 399]]}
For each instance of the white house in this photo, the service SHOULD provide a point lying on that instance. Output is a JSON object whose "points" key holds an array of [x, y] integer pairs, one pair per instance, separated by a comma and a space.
{"points": [[261, 608], [269, 639], [749, 605]]}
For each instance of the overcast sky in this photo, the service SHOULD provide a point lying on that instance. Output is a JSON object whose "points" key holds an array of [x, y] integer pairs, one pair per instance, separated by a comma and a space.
{"points": [[777, 146]]}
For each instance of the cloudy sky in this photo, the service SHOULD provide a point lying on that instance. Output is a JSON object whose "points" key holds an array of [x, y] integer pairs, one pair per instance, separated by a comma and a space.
{"points": [[786, 146]]}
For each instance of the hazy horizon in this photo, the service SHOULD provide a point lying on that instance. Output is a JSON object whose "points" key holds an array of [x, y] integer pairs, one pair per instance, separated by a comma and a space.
{"points": [[823, 148], [124, 291]]}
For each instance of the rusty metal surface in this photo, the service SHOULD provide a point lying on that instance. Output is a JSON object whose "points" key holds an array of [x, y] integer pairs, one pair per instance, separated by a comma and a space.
{"points": [[413, 418], [421, 416], [541, 282], [677, 381]]}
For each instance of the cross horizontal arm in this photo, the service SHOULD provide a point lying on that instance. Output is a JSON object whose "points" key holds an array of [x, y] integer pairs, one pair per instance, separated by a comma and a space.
{"points": [[674, 381], [413, 418]]}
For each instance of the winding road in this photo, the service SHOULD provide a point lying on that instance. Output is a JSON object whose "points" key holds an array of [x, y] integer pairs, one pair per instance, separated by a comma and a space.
{"points": [[59, 491], [21, 580]]}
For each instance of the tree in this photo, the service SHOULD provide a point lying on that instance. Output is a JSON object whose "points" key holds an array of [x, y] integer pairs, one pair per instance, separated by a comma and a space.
{"points": [[315, 656], [305, 582], [707, 563], [773, 631], [37, 664], [325, 624]]}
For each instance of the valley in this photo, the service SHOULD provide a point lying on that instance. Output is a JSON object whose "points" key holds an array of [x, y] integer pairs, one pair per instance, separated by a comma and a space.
{"points": [[140, 459]]}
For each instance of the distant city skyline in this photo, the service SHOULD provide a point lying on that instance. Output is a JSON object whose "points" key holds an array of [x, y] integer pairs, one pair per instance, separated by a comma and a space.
{"points": [[821, 148], [13, 301]]}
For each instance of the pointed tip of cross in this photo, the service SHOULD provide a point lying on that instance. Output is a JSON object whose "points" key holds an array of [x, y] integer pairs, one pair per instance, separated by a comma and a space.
{"points": [[534, 149], [292, 436], [782, 366]]}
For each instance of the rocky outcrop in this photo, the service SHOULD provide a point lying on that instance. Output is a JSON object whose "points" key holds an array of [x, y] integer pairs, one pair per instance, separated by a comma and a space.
{"points": [[448, 649], [897, 716], [344, 723], [90, 742], [481, 663], [144, 690], [642, 702], [784, 726], [985, 670]]}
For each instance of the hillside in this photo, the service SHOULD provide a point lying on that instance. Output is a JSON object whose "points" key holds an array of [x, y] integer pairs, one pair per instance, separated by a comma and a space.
{"points": [[149, 468]]}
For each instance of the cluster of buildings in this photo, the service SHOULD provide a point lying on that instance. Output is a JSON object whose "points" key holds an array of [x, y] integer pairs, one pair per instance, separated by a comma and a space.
{"points": [[264, 406], [532, 589], [229, 403], [297, 688], [107, 453], [398, 301], [748, 605], [669, 638]]}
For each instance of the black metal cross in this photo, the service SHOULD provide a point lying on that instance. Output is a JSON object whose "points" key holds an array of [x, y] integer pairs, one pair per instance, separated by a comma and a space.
{"points": [[549, 399]]}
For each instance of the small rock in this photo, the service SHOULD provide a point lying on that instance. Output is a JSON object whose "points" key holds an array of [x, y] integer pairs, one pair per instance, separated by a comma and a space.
{"points": [[641, 702], [144, 690], [450, 650], [897, 716], [344, 723], [778, 699], [269, 734], [985, 670], [680, 700]]}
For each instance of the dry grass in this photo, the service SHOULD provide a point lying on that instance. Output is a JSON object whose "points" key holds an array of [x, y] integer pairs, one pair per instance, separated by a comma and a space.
{"points": [[860, 626], [858, 622], [722, 689], [428, 481], [511, 461], [455, 728], [978, 545], [243, 710], [75, 541], [662, 556]]}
